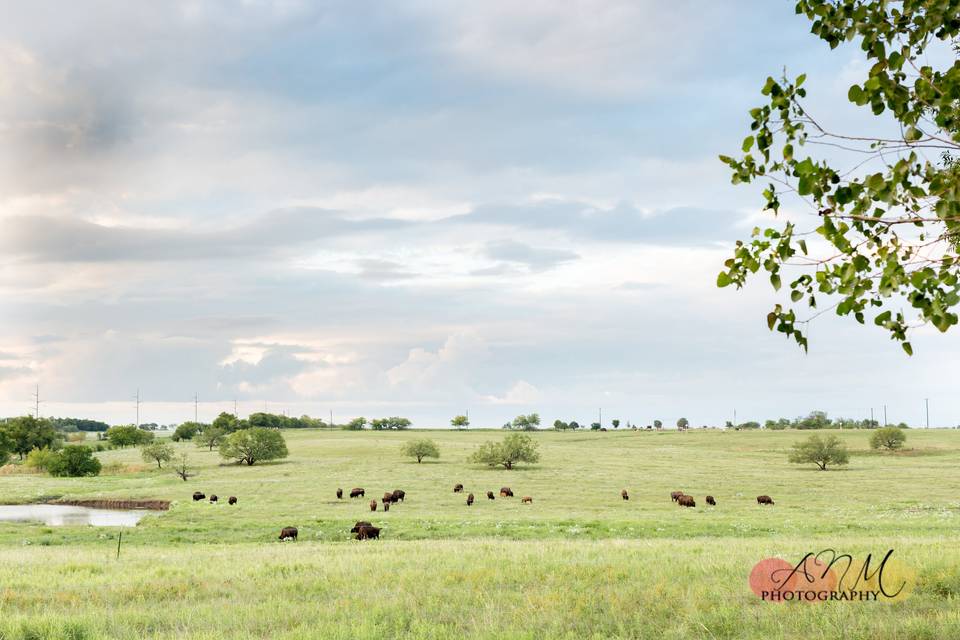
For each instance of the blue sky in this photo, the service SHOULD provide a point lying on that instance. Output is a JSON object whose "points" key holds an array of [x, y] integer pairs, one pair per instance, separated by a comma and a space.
{"points": [[413, 208]]}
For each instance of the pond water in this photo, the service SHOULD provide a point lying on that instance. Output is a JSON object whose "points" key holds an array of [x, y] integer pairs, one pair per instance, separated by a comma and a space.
{"points": [[58, 515]]}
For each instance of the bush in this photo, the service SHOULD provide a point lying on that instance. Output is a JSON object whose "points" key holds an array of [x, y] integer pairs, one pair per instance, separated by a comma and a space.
{"points": [[249, 446], [40, 459], [128, 435], [186, 431], [821, 451], [158, 452], [516, 447], [74, 461], [421, 449], [889, 438]]}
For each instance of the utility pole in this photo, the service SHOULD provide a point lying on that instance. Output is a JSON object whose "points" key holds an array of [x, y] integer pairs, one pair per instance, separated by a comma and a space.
{"points": [[926, 402], [36, 402], [138, 408], [196, 403], [885, 422], [331, 418], [235, 414], [871, 417], [734, 418], [600, 416]]}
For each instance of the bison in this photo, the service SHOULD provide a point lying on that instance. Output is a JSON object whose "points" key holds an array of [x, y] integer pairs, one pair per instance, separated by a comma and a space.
{"points": [[764, 500], [711, 501], [360, 523], [213, 498], [339, 494], [686, 501], [526, 500], [490, 495], [368, 532], [399, 495], [624, 494], [232, 500], [386, 506], [457, 488], [505, 492], [356, 493], [674, 495], [469, 499], [288, 533], [198, 496], [387, 497], [373, 505]]}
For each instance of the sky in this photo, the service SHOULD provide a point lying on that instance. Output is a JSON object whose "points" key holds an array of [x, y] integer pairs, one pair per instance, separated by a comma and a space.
{"points": [[410, 208]]}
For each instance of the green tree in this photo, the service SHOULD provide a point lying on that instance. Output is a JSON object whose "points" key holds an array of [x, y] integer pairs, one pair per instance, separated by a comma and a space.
{"points": [[183, 468], [657, 425], [187, 431], [421, 449], [516, 447], [356, 424], [560, 425], [460, 422], [615, 423], [526, 422], [210, 437], [889, 222], [682, 424], [595, 426], [25, 433], [74, 460], [821, 451], [158, 452], [40, 459], [392, 423], [228, 423], [889, 438], [128, 435], [256, 444]]}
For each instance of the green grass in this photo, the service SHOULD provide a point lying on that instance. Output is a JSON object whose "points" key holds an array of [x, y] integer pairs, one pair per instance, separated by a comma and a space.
{"points": [[579, 562]]}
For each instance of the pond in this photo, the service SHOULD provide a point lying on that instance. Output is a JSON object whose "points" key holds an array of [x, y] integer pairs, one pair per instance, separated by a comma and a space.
{"points": [[58, 515]]}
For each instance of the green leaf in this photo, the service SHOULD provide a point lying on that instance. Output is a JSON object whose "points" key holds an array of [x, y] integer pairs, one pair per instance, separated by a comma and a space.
{"points": [[775, 281], [908, 348], [747, 144], [723, 279]]}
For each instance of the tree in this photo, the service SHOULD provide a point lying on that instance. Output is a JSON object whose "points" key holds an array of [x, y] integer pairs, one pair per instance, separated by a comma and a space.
{"points": [[657, 425], [574, 425], [526, 423], [595, 426], [25, 433], [210, 437], [228, 423], [615, 423], [516, 447], [356, 424], [888, 220], [187, 431], [392, 423], [683, 424], [256, 444], [40, 459], [128, 435], [74, 460], [560, 425], [460, 422], [821, 451], [421, 449], [183, 468], [158, 452], [889, 438]]}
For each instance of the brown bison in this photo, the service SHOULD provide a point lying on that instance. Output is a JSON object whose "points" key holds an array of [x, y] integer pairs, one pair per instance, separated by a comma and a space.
{"points": [[356, 493], [368, 532], [675, 494], [387, 497], [288, 533], [232, 500], [686, 501], [624, 494], [339, 494], [373, 505], [469, 499], [360, 523], [213, 498], [198, 496], [505, 492], [386, 506], [457, 488], [711, 501], [526, 500], [764, 500], [399, 495], [490, 495]]}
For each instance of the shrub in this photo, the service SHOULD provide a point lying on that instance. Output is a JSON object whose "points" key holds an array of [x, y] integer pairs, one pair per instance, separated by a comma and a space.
{"points": [[40, 459], [517, 447], [158, 452], [249, 446], [421, 449], [821, 451], [889, 438], [75, 460]]}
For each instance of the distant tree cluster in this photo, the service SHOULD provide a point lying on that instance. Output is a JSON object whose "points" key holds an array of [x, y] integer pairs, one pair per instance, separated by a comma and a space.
{"points": [[522, 422], [78, 424], [818, 420]]}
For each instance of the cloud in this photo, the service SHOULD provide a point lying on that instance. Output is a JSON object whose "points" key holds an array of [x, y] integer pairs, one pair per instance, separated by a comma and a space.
{"points": [[534, 258], [521, 393]]}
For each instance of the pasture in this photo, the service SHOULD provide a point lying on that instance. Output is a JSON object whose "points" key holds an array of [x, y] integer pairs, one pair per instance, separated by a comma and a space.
{"points": [[579, 562]]}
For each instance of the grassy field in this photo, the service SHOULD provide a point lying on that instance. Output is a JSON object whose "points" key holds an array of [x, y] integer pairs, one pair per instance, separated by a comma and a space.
{"points": [[577, 563]]}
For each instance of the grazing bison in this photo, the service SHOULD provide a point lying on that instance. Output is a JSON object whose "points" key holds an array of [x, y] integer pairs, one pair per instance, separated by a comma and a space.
{"points": [[469, 499], [675, 494], [686, 501], [711, 501], [356, 492], [624, 494], [339, 494], [505, 492], [386, 506], [399, 495], [198, 496], [213, 498], [288, 533], [764, 500], [232, 500], [490, 495], [360, 523], [368, 532], [387, 497], [457, 488], [373, 505], [526, 500]]}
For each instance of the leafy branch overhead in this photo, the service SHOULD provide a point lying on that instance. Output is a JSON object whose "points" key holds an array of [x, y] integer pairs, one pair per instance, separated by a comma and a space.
{"points": [[886, 224]]}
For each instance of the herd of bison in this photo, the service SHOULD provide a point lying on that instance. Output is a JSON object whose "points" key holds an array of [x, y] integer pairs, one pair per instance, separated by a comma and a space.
{"points": [[364, 530]]}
